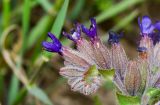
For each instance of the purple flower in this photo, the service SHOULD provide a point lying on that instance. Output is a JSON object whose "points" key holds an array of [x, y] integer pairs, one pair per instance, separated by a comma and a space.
{"points": [[75, 34], [54, 46], [92, 31], [82, 65], [146, 26], [114, 37]]}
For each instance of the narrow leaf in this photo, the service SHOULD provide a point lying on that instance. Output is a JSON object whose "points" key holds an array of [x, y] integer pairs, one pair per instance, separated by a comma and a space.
{"points": [[125, 21], [116, 9], [59, 21], [39, 94], [6, 12], [128, 100], [40, 29], [14, 87], [77, 9], [20, 96], [152, 92], [25, 23], [153, 95]]}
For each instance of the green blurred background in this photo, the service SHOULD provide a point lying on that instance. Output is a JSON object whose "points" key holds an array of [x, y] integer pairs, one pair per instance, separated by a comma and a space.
{"points": [[29, 75]]}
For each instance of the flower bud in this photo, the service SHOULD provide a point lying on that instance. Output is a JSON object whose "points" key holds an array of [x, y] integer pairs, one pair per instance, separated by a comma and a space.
{"points": [[132, 79]]}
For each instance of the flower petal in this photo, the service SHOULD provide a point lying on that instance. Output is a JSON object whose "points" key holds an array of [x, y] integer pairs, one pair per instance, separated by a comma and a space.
{"points": [[92, 31], [54, 46], [146, 25]]}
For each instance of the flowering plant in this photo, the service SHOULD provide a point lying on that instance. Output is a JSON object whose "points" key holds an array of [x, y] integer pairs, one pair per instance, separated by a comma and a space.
{"points": [[87, 66]]}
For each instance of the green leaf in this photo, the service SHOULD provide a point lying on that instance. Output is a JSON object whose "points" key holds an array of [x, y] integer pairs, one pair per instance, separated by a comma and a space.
{"points": [[116, 9], [108, 74], [57, 26], [77, 9], [153, 95], [59, 21], [20, 96], [25, 23], [2, 84], [6, 13], [39, 94], [14, 87], [40, 29], [0, 26], [151, 92], [128, 100], [125, 21]]}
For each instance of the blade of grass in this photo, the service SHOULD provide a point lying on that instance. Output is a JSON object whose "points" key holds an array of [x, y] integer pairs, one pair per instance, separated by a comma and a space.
{"points": [[25, 28], [0, 26], [116, 9], [39, 30], [125, 21], [14, 81], [40, 94], [35, 91], [121, 24], [6, 13], [59, 21], [2, 85], [77, 9], [20, 96], [14, 87], [57, 26], [25, 23], [46, 6], [15, 69], [39, 35]]}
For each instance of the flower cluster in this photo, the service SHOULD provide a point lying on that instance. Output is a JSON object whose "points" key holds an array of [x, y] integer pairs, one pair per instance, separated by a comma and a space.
{"points": [[82, 65]]}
